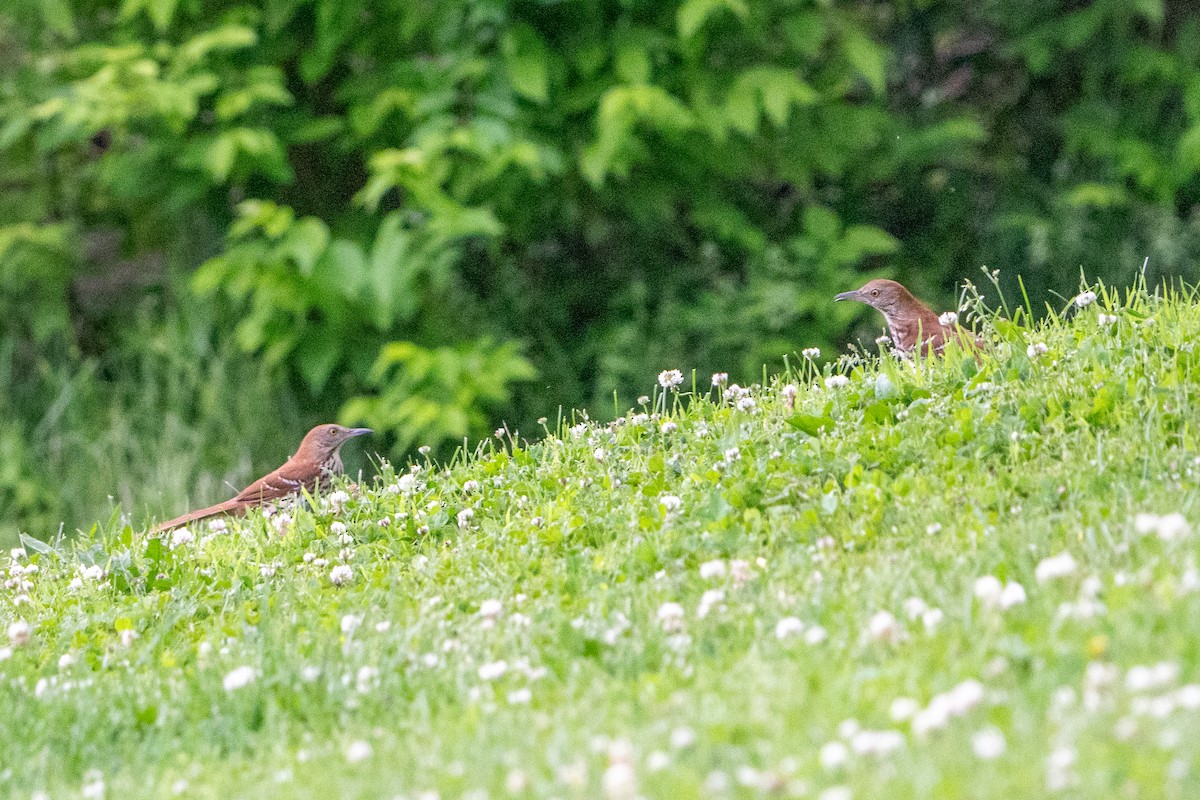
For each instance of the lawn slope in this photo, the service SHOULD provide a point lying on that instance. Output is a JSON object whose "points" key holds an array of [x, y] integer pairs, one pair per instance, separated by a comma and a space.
{"points": [[864, 579]]}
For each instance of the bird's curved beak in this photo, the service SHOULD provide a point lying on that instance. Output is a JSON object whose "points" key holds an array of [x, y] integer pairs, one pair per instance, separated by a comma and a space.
{"points": [[350, 434], [847, 295]]}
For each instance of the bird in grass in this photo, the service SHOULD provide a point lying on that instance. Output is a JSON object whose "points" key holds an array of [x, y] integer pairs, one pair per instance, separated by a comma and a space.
{"points": [[910, 322], [310, 470]]}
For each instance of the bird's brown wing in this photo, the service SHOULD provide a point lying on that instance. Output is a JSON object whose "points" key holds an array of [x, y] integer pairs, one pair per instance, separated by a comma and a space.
{"points": [[290, 479]]}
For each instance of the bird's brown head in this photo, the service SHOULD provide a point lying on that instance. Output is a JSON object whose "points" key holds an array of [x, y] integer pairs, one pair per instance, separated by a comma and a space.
{"points": [[887, 296], [325, 440]]}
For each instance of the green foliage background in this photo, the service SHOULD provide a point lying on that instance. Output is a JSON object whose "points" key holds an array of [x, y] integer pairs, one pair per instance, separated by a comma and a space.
{"points": [[224, 221]]}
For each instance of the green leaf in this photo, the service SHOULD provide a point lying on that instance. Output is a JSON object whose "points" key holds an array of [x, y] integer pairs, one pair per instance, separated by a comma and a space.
{"points": [[36, 545], [1098, 195], [877, 413], [821, 223], [633, 62], [316, 354], [810, 424], [58, 17], [866, 57], [806, 31], [527, 58], [1188, 149], [692, 15], [306, 242]]}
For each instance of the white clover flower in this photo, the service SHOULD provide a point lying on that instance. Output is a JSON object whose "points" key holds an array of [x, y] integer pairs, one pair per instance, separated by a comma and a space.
{"points": [[914, 607], [707, 600], [883, 627], [682, 737], [733, 393], [366, 679], [836, 381], [932, 618], [833, 755], [1085, 299], [643, 400], [1188, 697], [988, 744], [710, 570], [407, 483], [732, 454], [93, 787], [815, 635], [669, 427], [341, 575], [493, 670], [1059, 774], [464, 517], [180, 537], [358, 751], [720, 378], [519, 697], [657, 761], [670, 502], [238, 678], [837, 793], [670, 616], [1106, 319], [932, 718], [746, 404], [19, 633], [876, 743], [949, 318], [619, 781], [811, 353], [903, 708], [1058, 566], [490, 609], [1168, 527], [600, 454], [128, 636], [988, 589], [338, 499], [1036, 349], [789, 392], [471, 486], [639, 419], [788, 627], [670, 378], [1013, 595], [964, 697]]}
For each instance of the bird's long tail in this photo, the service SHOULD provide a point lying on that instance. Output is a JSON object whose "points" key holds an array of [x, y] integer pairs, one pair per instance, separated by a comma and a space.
{"points": [[233, 508]]}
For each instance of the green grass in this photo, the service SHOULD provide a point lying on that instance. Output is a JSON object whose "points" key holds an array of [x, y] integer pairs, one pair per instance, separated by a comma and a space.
{"points": [[917, 480]]}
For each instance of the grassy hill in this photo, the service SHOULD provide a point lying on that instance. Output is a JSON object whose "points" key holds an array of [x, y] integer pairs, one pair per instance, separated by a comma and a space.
{"points": [[931, 580]]}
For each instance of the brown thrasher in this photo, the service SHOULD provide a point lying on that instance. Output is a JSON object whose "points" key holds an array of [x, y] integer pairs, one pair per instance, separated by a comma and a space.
{"points": [[909, 320], [315, 463]]}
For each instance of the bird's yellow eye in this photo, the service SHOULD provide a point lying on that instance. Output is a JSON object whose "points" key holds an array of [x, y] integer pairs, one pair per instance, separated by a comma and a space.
{"points": [[333, 430]]}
